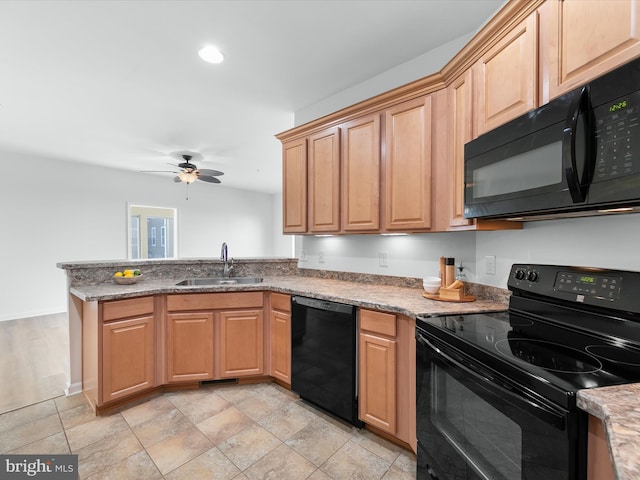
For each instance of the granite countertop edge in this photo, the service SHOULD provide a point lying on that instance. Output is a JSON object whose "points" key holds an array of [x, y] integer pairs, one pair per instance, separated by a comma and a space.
{"points": [[618, 408], [395, 299]]}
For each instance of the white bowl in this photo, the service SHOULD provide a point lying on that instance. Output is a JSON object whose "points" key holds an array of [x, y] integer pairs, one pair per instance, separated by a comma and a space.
{"points": [[431, 284]]}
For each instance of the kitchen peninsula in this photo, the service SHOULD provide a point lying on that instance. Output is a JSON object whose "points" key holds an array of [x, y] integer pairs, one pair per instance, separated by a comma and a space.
{"points": [[91, 288]]}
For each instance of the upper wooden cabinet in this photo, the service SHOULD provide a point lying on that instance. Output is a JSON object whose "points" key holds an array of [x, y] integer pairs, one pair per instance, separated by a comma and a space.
{"points": [[407, 166], [324, 181], [460, 123], [361, 174], [506, 77], [294, 186], [582, 39]]}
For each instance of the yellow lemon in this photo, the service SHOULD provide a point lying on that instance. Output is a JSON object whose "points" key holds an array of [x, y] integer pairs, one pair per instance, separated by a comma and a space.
{"points": [[128, 275], [128, 271], [118, 274]]}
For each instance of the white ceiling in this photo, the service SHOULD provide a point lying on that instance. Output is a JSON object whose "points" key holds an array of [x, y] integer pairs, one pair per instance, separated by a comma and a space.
{"points": [[119, 83]]}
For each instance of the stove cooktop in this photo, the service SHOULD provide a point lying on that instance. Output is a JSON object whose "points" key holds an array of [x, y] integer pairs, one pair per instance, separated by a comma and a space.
{"points": [[542, 356]]}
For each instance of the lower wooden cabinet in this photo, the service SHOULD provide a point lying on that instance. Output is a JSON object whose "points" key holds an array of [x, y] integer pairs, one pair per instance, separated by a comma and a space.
{"points": [[280, 337], [241, 343], [190, 340], [598, 459], [128, 357], [118, 349], [378, 381], [386, 372]]}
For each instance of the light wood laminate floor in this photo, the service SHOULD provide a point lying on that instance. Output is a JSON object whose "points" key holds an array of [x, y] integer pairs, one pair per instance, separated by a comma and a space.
{"points": [[34, 355]]}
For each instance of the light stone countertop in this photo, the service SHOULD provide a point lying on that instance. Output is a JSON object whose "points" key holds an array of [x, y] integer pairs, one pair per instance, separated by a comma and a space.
{"points": [[618, 407], [395, 299]]}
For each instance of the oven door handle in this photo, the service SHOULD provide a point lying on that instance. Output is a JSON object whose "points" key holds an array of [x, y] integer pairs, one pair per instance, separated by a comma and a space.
{"points": [[539, 410]]}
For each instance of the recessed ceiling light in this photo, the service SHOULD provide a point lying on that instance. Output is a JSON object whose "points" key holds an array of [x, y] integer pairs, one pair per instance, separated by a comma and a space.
{"points": [[211, 54]]}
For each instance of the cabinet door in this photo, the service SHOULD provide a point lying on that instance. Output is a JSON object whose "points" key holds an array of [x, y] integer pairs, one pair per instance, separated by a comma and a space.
{"points": [[506, 77], [582, 39], [598, 460], [190, 346], [361, 174], [324, 181], [407, 166], [294, 186], [241, 343], [128, 357], [280, 337], [377, 397], [461, 132]]}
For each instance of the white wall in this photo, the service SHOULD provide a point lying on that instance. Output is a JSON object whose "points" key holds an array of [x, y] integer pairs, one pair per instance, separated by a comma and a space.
{"points": [[62, 211], [407, 72], [408, 255]]}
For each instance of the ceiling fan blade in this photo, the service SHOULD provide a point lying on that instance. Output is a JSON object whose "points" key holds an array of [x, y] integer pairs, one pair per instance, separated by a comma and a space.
{"points": [[212, 173], [207, 178], [157, 171]]}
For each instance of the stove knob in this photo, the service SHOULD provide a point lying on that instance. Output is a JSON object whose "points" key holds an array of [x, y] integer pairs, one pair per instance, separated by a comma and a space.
{"points": [[519, 274], [532, 276]]}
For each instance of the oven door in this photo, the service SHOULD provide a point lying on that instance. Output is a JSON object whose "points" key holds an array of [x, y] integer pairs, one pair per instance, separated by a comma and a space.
{"points": [[472, 424]]}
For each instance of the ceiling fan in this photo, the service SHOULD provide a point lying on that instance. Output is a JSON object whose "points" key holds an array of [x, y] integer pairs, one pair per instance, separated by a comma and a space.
{"points": [[189, 172]]}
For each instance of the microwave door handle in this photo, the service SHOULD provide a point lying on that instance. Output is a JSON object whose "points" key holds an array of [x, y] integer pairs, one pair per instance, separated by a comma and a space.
{"points": [[579, 106], [541, 411]]}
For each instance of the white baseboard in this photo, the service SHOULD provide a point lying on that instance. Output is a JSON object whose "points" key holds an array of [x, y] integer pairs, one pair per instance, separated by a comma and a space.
{"points": [[73, 389]]}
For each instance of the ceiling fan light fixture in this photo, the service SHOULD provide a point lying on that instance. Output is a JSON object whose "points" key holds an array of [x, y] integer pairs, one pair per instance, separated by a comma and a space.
{"points": [[187, 177], [211, 54]]}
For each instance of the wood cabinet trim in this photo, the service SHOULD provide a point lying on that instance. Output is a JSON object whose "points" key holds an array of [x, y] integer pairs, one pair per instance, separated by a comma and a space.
{"points": [[130, 307], [281, 301], [378, 322], [214, 301]]}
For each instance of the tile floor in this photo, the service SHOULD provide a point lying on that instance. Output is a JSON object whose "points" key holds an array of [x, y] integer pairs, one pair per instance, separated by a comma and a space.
{"points": [[239, 432]]}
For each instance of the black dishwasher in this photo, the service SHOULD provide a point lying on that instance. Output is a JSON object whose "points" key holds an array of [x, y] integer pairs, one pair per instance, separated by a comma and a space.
{"points": [[323, 355]]}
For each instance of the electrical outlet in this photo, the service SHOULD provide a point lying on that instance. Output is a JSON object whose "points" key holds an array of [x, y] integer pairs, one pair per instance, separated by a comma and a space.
{"points": [[490, 264], [383, 259], [320, 257]]}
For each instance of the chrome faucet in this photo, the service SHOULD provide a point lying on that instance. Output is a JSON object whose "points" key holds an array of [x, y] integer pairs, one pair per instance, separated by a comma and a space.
{"points": [[224, 256]]}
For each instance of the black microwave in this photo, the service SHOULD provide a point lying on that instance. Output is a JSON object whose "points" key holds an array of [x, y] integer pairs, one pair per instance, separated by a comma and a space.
{"points": [[577, 155]]}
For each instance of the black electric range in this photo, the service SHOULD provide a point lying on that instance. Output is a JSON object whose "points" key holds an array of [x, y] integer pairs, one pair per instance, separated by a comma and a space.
{"points": [[517, 373]]}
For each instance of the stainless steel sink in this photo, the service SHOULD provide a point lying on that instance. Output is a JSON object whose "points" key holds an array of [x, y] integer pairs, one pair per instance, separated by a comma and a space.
{"points": [[220, 281]]}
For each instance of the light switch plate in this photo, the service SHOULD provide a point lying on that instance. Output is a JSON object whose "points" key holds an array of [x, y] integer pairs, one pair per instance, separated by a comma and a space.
{"points": [[383, 259], [320, 257]]}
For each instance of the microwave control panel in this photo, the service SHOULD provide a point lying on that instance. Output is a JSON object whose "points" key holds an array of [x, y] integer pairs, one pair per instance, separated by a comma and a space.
{"points": [[617, 138]]}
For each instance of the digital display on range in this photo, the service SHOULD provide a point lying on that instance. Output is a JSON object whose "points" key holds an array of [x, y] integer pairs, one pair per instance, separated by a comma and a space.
{"points": [[587, 279], [601, 286]]}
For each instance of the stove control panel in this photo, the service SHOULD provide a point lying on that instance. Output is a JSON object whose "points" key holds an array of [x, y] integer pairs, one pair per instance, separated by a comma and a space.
{"points": [[603, 286]]}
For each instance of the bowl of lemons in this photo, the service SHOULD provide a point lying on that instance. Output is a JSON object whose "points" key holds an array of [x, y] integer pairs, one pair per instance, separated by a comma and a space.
{"points": [[127, 277]]}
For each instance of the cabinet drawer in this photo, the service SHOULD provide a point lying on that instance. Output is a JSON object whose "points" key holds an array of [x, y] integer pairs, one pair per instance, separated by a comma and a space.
{"points": [[131, 307], [378, 322], [214, 301], [281, 302]]}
